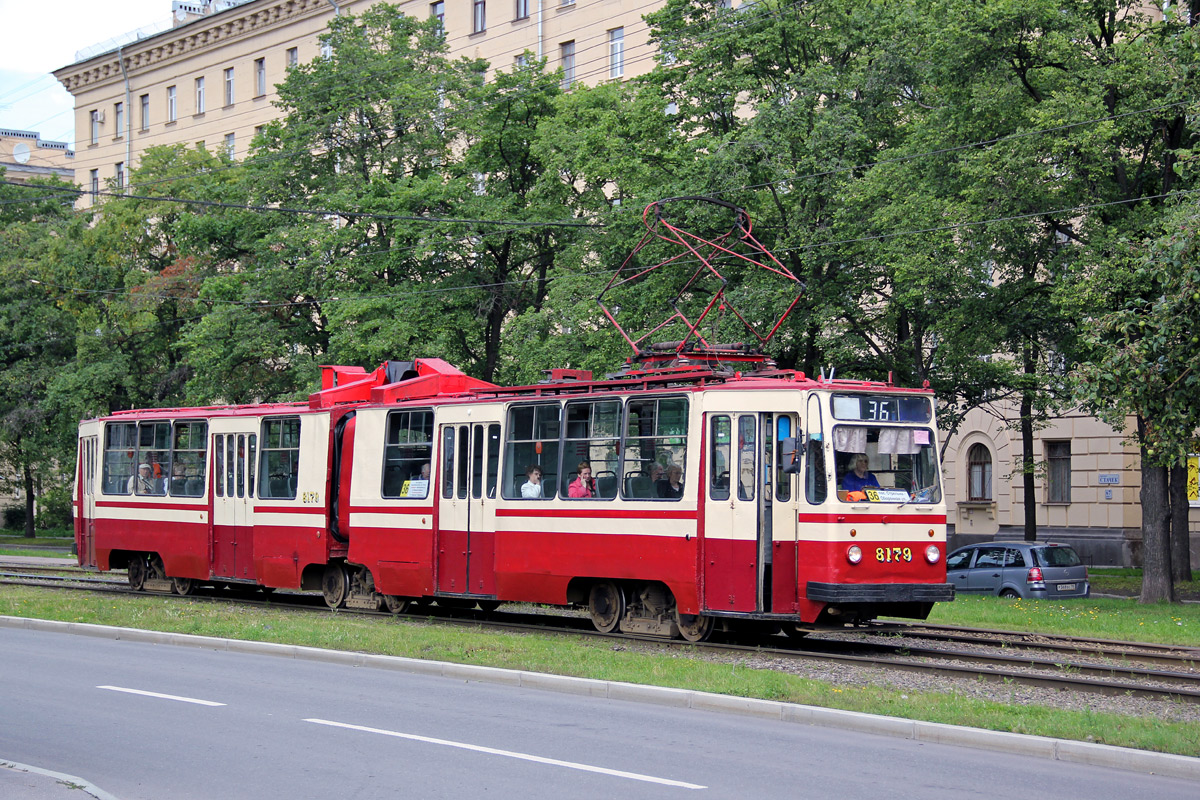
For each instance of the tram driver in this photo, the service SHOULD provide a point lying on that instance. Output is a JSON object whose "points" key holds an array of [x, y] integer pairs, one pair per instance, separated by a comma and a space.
{"points": [[860, 477]]}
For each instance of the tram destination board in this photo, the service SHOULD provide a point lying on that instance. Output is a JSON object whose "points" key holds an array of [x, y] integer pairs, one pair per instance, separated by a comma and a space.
{"points": [[882, 408]]}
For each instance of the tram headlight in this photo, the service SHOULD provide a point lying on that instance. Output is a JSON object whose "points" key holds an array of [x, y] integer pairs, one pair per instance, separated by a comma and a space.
{"points": [[854, 554], [933, 554]]}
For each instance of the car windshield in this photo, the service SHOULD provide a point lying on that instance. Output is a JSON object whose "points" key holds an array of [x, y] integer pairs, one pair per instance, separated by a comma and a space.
{"points": [[1057, 556]]}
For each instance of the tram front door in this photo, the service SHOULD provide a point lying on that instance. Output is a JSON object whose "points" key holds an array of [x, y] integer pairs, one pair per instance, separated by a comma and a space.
{"points": [[465, 546], [749, 514]]}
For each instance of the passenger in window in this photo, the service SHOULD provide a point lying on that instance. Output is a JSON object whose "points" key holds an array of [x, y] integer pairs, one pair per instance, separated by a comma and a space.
{"points": [[532, 488], [178, 478], [424, 471], [656, 473], [143, 482], [583, 486], [672, 485], [859, 478]]}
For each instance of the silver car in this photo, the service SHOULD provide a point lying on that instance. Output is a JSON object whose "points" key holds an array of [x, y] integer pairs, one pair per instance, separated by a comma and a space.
{"points": [[1041, 570]]}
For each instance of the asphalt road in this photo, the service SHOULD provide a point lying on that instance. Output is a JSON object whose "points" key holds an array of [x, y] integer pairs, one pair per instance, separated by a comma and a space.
{"points": [[156, 721]]}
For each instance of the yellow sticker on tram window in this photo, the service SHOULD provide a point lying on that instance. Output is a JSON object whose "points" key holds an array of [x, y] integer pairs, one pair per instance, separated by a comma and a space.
{"points": [[872, 494]]}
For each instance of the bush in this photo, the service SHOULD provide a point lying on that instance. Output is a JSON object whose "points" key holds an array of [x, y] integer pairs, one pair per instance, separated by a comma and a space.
{"points": [[14, 518], [54, 509]]}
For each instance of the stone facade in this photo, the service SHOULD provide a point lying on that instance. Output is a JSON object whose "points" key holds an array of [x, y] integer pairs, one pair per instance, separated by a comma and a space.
{"points": [[174, 86]]}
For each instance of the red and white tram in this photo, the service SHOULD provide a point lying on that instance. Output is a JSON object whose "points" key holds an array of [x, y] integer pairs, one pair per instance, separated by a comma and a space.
{"points": [[715, 495]]}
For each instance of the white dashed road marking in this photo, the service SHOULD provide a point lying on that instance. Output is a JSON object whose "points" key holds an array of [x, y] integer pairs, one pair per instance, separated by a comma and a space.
{"points": [[554, 762], [161, 696]]}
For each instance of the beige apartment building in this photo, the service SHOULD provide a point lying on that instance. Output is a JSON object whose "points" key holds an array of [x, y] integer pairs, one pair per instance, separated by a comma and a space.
{"points": [[211, 76], [26, 156]]}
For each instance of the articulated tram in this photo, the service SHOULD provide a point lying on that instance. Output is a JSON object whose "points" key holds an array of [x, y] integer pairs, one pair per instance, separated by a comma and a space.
{"points": [[672, 499]]}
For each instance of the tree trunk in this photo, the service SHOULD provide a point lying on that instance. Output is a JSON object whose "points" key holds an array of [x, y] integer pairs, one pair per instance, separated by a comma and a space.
{"points": [[1027, 467], [1156, 537], [1181, 557], [27, 477]]}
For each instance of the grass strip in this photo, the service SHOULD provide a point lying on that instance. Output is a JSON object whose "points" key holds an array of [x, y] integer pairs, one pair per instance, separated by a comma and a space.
{"points": [[602, 660]]}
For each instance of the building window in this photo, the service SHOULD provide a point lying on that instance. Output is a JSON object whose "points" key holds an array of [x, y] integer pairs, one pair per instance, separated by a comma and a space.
{"points": [[230, 144], [568, 63], [119, 119], [326, 50], [479, 16], [438, 11], [616, 52], [229, 86], [567, 2], [979, 473], [258, 129], [260, 77], [521, 61], [172, 108], [522, 11], [199, 95], [119, 174], [94, 184], [144, 101], [1058, 472], [293, 56], [94, 123]]}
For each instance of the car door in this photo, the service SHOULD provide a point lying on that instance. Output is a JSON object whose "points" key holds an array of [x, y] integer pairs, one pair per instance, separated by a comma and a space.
{"points": [[987, 573], [958, 568]]}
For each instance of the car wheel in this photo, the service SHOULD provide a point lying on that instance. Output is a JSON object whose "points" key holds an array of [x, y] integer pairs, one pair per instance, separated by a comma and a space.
{"points": [[1010, 593]]}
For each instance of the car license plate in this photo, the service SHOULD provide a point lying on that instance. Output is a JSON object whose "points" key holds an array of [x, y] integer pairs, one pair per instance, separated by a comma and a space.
{"points": [[1066, 587]]}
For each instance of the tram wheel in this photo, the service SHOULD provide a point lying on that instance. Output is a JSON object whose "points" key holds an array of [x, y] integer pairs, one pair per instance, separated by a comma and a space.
{"points": [[183, 586], [694, 627], [137, 572], [606, 604], [395, 604], [335, 585]]}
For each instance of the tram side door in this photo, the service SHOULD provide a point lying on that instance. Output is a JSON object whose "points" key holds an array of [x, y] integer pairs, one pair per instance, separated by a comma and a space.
{"points": [[87, 500], [466, 541], [233, 491], [781, 508], [730, 548]]}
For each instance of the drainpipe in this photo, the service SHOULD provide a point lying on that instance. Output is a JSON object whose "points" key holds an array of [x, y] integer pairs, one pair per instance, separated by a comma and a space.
{"points": [[539, 29], [128, 121], [337, 12]]}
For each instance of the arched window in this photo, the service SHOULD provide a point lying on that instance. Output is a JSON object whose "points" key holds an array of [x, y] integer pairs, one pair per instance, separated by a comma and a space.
{"points": [[979, 473]]}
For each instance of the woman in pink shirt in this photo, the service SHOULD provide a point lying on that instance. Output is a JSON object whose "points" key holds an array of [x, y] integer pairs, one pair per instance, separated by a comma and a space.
{"points": [[583, 486]]}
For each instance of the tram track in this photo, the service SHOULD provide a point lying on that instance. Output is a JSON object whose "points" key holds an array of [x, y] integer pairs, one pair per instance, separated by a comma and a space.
{"points": [[1107, 669]]}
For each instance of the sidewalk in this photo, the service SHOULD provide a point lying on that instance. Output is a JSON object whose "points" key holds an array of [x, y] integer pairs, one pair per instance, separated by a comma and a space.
{"points": [[25, 782]]}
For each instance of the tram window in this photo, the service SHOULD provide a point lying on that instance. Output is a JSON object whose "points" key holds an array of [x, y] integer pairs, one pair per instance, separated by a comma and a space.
{"points": [[279, 459], [592, 437], [720, 441], [154, 449], [477, 464], [747, 426], [655, 442], [900, 464], [816, 487], [250, 464], [448, 461], [187, 459], [241, 465], [219, 464], [231, 455], [493, 459], [783, 480], [407, 452], [120, 449], [464, 436], [531, 440]]}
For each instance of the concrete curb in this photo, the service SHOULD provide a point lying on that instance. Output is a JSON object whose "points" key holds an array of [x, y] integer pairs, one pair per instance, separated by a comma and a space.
{"points": [[69, 782], [1099, 755]]}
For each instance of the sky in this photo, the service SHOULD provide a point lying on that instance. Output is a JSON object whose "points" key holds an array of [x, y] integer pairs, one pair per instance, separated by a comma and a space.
{"points": [[43, 36]]}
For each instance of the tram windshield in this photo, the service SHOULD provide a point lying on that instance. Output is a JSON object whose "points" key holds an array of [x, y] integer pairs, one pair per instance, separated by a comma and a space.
{"points": [[886, 464]]}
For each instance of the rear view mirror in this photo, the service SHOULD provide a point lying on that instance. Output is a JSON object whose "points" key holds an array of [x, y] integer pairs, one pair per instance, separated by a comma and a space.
{"points": [[789, 455]]}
